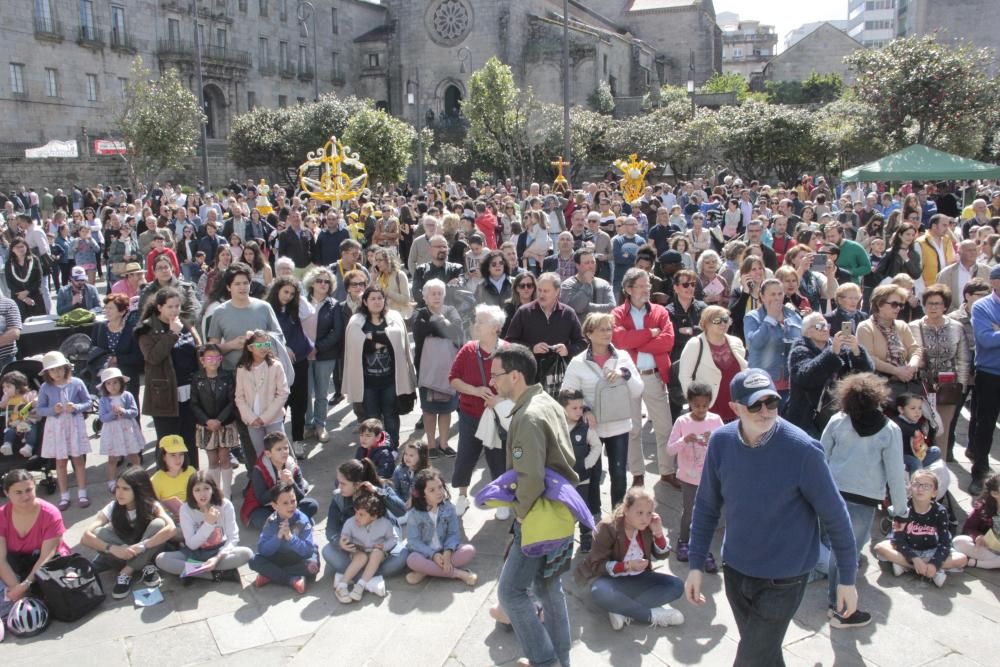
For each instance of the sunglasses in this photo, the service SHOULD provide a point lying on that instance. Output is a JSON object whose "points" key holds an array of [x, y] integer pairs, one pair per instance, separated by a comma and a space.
{"points": [[325, 281], [771, 403], [894, 304], [821, 326], [356, 284], [685, 285], [526, 286], [262, 345], [720, 320]]}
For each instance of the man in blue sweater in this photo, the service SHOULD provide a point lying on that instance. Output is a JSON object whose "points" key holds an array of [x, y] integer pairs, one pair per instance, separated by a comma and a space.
{"points": [[778, 488], [986, 328]]}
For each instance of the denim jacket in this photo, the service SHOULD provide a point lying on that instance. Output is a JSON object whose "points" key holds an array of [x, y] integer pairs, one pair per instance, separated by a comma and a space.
{"points": [[768, 342], [420, 530], [342, 508]]}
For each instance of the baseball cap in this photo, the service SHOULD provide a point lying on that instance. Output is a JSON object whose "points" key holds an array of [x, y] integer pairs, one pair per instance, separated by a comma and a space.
{"points": [[173, 444], [751, 385], [78, 273]]}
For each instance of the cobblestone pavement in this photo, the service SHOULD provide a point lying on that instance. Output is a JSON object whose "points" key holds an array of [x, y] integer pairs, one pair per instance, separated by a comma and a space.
{"points": [[446, 623]]}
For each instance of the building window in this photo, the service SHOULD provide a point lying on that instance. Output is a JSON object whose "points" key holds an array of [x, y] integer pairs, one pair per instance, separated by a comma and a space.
{"points": [[283, 54], [91, 87], [122, 87], [605, 64], [17, 79], [886, 24], [282, 101], [303, 58], [262, 7], [283, 10], [43, 16], [334, 21], [251, 100], [118, 34], [737, 52], [174, 30], [243, 6], [335, 60], [220, 37], [373, 60], [51, 83], [263, 52], [300, 100], [613, 85]]}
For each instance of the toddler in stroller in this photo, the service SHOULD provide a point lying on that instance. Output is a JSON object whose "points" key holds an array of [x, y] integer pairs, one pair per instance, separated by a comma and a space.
{"points": [[21, 426]]}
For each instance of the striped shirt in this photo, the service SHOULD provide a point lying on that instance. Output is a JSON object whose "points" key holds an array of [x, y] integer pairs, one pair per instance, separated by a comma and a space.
{"points": [[11, 318]]}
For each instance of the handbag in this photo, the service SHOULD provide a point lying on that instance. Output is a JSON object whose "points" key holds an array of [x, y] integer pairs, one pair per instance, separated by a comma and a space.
{"points": [[946, 390], [406, 403], [612, 401], [70, 587], [435, 362], [825, 408], [551, 371]]}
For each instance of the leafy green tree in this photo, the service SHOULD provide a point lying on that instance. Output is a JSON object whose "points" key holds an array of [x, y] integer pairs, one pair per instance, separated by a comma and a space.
{"points": [[498, 114], [587, 133], [730, 82], [159, 121], [816, 89], [844, 135], [601, 100], [384, 144], [760, 139], [450, 158], [926, 92], [694, 148]]}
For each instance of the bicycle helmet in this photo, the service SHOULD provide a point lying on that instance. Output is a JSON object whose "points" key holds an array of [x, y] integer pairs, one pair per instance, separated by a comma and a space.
{"points": [[28, 617]]}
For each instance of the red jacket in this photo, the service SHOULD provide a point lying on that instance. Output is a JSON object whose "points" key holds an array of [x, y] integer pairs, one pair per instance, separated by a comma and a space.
{"points": [[627, 337], [250, 502]]}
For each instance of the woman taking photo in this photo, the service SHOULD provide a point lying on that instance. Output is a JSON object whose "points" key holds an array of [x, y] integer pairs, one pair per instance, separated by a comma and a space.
{"points": [[284, 299], [602, 361], [387, 275], [378, 368], [169, 345], [522, 292], [746, 297], [24, 279], [946, 360], [31, 532], [816, 287], [713, 357], [437, 335], [890, 342], [470, 378], [114, 342], [816, 362], [495, 288], [329, 321]]}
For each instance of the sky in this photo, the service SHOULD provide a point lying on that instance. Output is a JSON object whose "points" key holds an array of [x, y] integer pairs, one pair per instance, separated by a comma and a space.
{"points": [[784, 15]]}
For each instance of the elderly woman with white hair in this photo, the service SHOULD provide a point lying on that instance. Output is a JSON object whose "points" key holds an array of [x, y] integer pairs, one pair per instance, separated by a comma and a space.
{"points": [[816, 362], [715, 287], [437, 335], [470, 377]]}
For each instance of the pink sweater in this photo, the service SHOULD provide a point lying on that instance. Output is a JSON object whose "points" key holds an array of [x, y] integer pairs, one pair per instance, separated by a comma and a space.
{"points": [[691, 458]]}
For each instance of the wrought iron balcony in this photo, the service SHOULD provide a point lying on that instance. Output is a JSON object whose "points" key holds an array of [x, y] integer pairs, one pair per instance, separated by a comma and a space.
{"points": [[288, 70], [122, 41], [306, 72], [267, 68], [185, 50], [88, 35], [47, 27]]}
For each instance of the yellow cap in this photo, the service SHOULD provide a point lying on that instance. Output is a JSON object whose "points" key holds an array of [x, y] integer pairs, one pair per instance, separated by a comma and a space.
{"points": [[173, 444]]}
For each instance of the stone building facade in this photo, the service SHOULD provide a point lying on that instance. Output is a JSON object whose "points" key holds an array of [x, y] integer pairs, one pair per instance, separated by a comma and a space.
{"points": [[746, 45], [821, 51]]}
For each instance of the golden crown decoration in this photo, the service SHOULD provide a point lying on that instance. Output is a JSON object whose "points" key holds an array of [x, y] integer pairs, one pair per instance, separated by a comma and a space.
{"points": [[634, 175], [333, 173]]}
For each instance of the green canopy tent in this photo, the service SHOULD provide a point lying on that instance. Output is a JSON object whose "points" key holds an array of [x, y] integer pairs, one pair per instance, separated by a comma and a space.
{"points": [[919, 162]]}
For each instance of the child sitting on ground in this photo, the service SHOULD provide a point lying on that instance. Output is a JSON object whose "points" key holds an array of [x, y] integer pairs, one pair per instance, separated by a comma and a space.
{"points": [[21, 433], [286, 552], [922, 540], [414, 459], [276, 465], [433, 533], [980, 539], [376, 447], [367, 536], [587, 449], [689, 443], [170, 481]]}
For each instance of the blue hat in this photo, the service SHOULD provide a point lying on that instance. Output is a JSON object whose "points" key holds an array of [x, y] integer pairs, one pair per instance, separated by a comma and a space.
{"points": [[751, 385], [995, 272]]}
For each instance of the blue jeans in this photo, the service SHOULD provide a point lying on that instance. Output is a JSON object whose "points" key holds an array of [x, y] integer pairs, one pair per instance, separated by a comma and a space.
{"points": [[763, 608], [10, 358], [634, 596], [380, 402], [861, 526], [320, 373], [337, 559], [281, 567], [912, 463], [616, 447], [542, 644], [258, 517]]}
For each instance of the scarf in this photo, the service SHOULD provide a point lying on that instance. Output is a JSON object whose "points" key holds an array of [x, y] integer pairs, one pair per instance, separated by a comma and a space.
{"points": [[868, 423], [892, 342]]}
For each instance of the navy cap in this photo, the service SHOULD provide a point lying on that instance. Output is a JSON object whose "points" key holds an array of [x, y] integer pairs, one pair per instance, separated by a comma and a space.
{"points": [[671, 257], [995, 272], [751, 385]]}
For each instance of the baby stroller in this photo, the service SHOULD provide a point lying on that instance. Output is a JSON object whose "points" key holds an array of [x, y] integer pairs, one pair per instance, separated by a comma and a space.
{"points": [[76, 349], [31, 369]]}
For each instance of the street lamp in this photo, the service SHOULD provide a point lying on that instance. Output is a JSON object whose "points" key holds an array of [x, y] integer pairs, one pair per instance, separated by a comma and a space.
{"points": [[303, 12], [565, 73], [413, 98], [691, 83], [201, 96]]}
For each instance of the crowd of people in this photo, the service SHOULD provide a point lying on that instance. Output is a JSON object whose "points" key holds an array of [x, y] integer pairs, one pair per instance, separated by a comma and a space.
{"points": [[554, 321]]}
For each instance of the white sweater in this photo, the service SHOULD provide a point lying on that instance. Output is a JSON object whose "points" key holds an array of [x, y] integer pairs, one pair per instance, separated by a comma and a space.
{"points": [[582, 373], [197, 531]]}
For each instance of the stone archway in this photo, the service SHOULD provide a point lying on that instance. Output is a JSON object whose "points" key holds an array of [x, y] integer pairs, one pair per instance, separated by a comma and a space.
{"points": [[217, 126], [452, 101], [448, 97]]}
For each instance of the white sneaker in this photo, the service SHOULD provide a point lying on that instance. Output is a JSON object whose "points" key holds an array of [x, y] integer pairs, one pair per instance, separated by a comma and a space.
{"points": [[6, 449], [665, 617], [898, 569], [25, 451], [462, 505], [503, 513], [618, 621], [377, 586], [299, 449], [940, 578], [322, 435]]}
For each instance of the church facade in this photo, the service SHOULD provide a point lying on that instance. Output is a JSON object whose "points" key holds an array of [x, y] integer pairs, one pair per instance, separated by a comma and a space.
{"points": [[68, 60]]}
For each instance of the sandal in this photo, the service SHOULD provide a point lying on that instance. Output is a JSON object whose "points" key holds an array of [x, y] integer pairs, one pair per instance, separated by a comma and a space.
{"points": [[63, 504]]}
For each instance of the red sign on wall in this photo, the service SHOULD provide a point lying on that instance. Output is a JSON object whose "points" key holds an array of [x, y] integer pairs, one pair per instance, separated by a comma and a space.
{"points": [[108, 147]]}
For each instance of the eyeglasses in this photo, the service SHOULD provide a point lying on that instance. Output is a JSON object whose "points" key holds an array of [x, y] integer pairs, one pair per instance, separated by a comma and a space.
{"points": [[325, 281], [771, 403], [498, 263], [494, 376], [894, 304], [922, 486], [526, 286], [356, 284], [261, 345], [212, 357], [936, 304], [686, 285], [720, 320]]}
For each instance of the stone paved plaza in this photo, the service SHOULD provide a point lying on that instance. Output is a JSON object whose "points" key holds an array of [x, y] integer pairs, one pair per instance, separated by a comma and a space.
{"points": [[446, 623]]}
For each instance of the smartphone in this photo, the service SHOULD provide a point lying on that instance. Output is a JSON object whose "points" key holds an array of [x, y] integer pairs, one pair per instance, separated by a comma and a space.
{"points": [[847, 327], [819, 262]]}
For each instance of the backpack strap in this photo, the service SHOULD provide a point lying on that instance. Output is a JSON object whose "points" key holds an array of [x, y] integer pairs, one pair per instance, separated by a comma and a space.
{"points": [[697, 363]]}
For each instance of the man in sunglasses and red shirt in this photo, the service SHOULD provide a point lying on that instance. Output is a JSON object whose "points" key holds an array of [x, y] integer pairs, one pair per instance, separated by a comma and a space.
{"points": [[778, 489]]}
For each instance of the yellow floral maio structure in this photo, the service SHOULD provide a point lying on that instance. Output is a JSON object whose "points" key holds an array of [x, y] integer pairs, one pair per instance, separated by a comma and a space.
{"points": [[634, 175], [263, 204], [332, 173]]}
